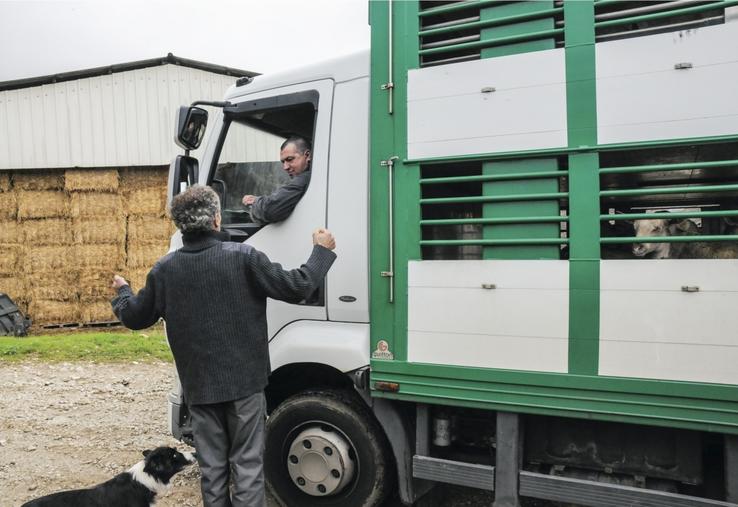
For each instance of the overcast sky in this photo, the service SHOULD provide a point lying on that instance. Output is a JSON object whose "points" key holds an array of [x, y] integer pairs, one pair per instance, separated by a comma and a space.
{"points": [[41, 37]]}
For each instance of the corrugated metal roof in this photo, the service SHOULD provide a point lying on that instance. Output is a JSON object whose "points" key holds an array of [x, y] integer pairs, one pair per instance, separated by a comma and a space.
{"points": [[117, 119], [123, 67]]}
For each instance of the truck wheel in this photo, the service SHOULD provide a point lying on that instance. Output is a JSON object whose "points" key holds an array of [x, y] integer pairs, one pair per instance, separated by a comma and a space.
{"points": [[325, 448]]}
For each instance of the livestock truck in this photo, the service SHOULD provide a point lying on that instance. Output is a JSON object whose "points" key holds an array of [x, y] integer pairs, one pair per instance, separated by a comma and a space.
{"points": [[479, 168]]}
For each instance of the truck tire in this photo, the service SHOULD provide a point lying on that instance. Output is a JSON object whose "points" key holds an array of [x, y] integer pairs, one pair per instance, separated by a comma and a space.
{"points": [[324, 448]]}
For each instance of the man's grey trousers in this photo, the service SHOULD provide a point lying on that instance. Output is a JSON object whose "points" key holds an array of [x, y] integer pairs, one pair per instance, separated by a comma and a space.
{"points": [[229, 439]]}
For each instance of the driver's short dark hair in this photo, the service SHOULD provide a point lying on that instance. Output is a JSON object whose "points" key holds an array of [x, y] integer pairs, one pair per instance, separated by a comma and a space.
{"points": [[194, 210], [300, 143]]}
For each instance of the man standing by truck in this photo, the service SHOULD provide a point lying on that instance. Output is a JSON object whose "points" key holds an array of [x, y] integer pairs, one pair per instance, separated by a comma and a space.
{"points": [[295, 156], [212, 295]]}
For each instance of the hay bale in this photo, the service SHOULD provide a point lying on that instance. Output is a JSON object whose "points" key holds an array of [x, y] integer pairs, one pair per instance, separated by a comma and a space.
{"points": [[4, 181], [10, 232], [15, 287], [38, 180], [149, 229], [96, 310], [54, 312], [42, 204], [44, 259], [145, 255], [91, 180], [136, 278], [46, 231], [95, 204], [137, 178], [60, 285], [106, 257], [93, 230], [146, 201], [95, 284], [9, 259], [8, 205]]}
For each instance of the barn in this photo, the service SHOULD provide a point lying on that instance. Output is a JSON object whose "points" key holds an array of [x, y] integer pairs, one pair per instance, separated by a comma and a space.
{"points": [[84, 158]]}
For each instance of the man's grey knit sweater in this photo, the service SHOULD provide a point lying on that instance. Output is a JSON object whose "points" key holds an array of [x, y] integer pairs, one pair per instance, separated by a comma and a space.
{"points": [[212, 295]]}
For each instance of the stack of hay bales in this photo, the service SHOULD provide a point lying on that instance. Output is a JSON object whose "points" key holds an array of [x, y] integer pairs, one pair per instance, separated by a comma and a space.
{"points": [[148, 228], [64, 234], [11, 280], [98, 234], [45, 231]]}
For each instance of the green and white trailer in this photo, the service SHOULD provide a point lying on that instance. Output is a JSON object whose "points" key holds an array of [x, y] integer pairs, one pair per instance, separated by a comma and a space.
{"points": [[486, 323]]}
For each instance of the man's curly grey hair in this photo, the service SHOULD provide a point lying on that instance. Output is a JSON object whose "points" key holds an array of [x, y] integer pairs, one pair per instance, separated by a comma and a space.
{"points": [[194, 210]]}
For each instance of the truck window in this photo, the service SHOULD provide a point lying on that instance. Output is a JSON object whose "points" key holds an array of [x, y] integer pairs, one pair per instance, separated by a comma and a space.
{"points": [[248, 164], [248, 160]]}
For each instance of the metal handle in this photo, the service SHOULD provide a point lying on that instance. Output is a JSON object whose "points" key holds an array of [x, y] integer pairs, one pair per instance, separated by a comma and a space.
{"points": [[389, 85], [489, 286], [690, 288], [390, 273]]}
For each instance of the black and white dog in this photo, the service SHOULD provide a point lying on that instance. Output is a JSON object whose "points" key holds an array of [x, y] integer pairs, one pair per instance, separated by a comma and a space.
{"points": [[138, 487]]}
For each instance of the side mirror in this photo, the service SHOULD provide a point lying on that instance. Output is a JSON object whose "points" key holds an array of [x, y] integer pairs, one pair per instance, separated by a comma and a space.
{"points": [[190, 128], [183, 172]]}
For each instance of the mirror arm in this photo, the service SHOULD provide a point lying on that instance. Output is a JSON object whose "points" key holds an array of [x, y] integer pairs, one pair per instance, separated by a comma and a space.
{"points": [[210, 103]]}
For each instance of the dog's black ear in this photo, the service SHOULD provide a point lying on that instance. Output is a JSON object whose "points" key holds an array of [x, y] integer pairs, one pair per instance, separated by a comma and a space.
{"points": [[146, 453]]}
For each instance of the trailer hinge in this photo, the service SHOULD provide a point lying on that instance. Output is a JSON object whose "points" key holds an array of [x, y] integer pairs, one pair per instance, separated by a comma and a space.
{"points": [[387, 86]]}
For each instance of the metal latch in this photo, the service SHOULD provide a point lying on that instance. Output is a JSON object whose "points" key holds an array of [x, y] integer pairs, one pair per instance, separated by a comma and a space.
{"points": [[682, 65], [489, 286], [690, 288]]}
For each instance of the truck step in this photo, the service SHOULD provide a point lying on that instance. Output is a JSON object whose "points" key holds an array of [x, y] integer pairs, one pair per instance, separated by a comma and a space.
{"points": [[454, 472], [598, 494]]}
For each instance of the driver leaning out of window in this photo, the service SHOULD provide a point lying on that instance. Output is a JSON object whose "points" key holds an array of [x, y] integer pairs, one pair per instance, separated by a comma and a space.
{"points": [[295, 156]]}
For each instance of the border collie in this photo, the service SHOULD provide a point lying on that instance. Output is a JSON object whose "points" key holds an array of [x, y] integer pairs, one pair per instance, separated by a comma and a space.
{"points": [[138, 487]]}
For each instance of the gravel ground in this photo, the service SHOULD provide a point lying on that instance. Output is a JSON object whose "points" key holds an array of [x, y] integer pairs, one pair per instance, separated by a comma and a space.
{"points": [[74, 425]]}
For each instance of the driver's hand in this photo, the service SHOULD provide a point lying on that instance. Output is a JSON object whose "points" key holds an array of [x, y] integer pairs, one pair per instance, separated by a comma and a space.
{"points": [[248, 199]]}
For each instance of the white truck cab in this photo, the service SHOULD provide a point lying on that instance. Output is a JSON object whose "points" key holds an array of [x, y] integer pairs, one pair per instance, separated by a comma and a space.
{"points": [[318, 348]]}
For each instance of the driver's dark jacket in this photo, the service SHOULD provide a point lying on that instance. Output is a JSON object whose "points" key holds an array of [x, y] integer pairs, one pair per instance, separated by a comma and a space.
{"points": [[212, 296], [278, 205]]}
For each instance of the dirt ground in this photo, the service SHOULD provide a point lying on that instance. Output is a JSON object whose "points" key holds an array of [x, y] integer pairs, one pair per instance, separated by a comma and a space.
{"points": [[74, 425]]}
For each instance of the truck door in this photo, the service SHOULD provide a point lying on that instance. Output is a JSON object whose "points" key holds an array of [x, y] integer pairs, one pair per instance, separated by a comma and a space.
{"points": [[246, 161]]}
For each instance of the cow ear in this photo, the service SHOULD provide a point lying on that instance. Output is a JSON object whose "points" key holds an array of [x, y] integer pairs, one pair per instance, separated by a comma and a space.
{"points": [[146, 453]]}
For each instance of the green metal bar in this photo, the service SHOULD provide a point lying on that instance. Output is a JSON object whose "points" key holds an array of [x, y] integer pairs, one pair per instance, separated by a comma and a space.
{"points": [[672, 239], [456, 7], [515, 241], [492, 22], [492, 221], [573, 149], [677, 214], [666, 14], [493, 42], [495, 198], [670, 190], [667, 167], [493, 177]]}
